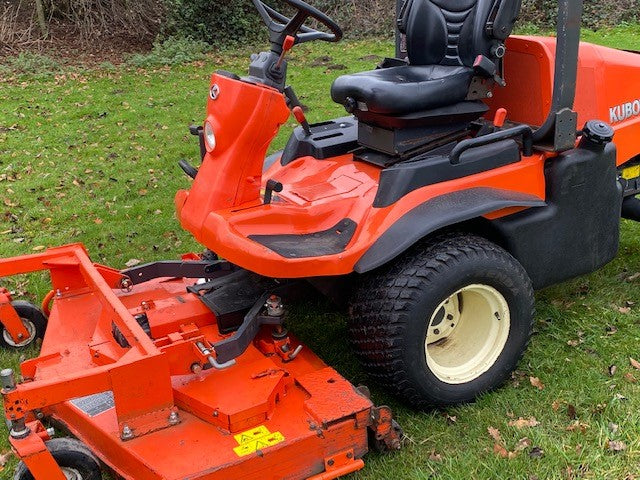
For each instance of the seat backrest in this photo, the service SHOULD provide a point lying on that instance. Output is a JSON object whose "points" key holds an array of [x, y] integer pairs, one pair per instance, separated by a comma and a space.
{"points": [[455, 32]]}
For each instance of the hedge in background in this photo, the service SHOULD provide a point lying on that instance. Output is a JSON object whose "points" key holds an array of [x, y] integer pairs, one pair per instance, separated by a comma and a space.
{"points": [[232, 22], [225, 22]]}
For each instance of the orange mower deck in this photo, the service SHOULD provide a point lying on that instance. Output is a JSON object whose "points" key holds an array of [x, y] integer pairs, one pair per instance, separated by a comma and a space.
{"points": [[150, 411]]}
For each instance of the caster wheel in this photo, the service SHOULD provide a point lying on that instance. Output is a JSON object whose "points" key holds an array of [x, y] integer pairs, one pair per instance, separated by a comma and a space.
{"points": [[34, 321], [446, 322], [75, 459]]}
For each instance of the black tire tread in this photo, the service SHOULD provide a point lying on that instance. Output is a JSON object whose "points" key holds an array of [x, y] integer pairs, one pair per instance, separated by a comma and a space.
{"points": [[378, 308], [29, 311], [65, 446]]}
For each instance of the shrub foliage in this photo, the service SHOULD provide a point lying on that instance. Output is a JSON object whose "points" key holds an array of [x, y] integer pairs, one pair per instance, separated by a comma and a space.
{"points": [[229, 22]]}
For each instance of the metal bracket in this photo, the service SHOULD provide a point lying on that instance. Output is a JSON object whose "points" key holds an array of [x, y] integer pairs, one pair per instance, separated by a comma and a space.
{"points": [[178, 269], [234, 346]]}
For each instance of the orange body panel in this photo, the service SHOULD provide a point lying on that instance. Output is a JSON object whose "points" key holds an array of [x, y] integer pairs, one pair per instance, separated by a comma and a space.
{"points": [[607, 88], [315, 197], [318, 194], [313, 414]]}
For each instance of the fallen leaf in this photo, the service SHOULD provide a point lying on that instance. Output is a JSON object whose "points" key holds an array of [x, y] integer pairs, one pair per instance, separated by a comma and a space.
{"points": [[98, 221], [535, 381], [611, 330], [38, 248], [634, 363], [4, 458], [500, 451], [613, 427], [522, 444], [612, 370], [536, 452], [133, 262], [624, 310], [524, 422], [555, 406], [435, 457], [571, 411], [577, 426], [630, 378], [495, 434], [616, 446]]}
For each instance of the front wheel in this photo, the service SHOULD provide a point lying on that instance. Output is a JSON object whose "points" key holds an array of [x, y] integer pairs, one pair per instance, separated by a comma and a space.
{"points": [[34, 321], [448, 321], [75, 460]]}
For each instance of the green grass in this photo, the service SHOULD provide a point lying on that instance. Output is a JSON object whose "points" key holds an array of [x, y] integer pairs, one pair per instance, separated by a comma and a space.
{"points": [[90, 156]]}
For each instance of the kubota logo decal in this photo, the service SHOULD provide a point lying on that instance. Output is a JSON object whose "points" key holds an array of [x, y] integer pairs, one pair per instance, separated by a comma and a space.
{"points": [[620, 113]]}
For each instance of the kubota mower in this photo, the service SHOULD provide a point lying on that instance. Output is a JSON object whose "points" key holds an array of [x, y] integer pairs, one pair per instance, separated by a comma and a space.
{"points": [[456, 185]]}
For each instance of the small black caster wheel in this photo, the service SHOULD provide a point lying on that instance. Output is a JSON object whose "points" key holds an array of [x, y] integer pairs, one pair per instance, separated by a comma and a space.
{"points": [[75, 459], [34, 321]]}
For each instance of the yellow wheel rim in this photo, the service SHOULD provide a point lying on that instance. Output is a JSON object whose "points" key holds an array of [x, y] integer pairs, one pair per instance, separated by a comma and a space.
{"points": [[467, 333]]}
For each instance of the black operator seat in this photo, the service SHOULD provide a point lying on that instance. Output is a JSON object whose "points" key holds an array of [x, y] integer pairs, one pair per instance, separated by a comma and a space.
{"points": [[454, 51]]}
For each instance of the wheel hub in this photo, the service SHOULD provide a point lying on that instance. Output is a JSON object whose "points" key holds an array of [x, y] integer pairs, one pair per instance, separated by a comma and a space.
{"points": [[467, 333], [71, 473], [31, 328]]}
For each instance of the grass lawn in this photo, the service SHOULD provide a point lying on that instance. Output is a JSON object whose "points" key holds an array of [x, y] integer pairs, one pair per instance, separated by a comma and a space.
{"points": [[91, 156]]}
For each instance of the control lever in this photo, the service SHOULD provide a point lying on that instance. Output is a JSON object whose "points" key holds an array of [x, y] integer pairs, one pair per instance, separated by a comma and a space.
{"points": [[302, 120], [287, 45], [499, 118]]}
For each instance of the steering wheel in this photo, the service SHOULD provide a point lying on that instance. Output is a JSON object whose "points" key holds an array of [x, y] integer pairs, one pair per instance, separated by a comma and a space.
{"points": [[280, 26]]}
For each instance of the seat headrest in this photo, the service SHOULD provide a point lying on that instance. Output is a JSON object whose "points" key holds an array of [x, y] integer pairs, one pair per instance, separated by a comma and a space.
{"points": [[455, 32]]}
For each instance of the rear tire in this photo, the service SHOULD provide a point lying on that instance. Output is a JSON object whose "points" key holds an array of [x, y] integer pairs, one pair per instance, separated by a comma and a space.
{"points": [[446, 322], [33, 319], [75, 459]]}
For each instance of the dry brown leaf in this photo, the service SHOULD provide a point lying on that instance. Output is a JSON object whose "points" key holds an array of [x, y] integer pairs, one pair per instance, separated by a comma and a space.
{"points": [[555, 406], [524, 422], [522, 444], [98, 221], [500, 451], [133, 262], [435, 457], [624, 310], [577, 426], [616, 446], [630, 378], [634, 363], [38, 248], [495, 434], [535, 381], [4, 457]]}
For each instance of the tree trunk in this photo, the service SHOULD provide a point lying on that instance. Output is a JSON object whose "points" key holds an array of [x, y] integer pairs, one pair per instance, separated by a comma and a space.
{"points": [[42, 21]]}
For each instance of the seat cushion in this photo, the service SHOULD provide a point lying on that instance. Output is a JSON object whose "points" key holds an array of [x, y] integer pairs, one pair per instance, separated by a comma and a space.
{"points": [[404, 89]]}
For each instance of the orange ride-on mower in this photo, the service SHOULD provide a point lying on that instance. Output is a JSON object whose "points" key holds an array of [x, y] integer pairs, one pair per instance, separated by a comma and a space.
{"points": [[458, 183]]}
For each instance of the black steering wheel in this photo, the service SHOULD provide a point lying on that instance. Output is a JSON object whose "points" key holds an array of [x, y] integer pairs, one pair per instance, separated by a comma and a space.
{"points": [[280, 26]]}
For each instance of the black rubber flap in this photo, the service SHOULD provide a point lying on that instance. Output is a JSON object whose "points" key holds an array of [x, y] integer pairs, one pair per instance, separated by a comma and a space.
{"points": [[328, 242]]}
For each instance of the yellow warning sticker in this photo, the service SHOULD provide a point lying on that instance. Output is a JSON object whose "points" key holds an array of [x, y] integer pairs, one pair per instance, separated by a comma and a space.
{"points": [[631, 172], [256, 439]]}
